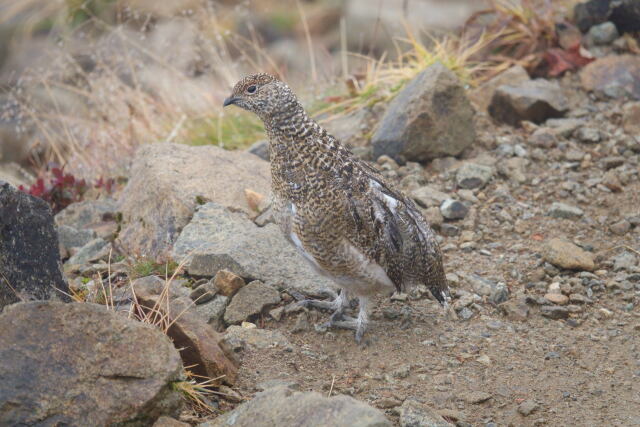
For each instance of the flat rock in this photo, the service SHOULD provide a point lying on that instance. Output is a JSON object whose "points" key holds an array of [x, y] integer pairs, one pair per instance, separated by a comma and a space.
{"points": [[476, 397], [71, 238], [239, 339], [564, 254], [533, 100], [415, 414], [213, 311], [250, 300], [94, 250], [199, 343], [283, 407], [472, 175], [29, 252], [227, 283], [431, 117], [98, 368], [613, 76], [427, 196], [168, 181], [554, 312], [217, 239], [481, 96], [528, 407], [97, 215], [562, 210], [558, 299]]}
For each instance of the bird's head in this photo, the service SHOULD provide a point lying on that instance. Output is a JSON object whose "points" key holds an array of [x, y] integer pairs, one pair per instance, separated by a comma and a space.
{"points": [[263, 95]]}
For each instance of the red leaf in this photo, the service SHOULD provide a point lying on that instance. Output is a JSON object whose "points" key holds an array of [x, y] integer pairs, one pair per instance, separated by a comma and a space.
{"points": [[559, 60]]}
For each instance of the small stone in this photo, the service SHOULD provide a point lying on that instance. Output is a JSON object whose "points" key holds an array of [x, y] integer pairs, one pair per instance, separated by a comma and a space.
{"points": [[613, 162], [558, 299], [227, 283], [302, 323], [260, 149], [620, 228], [465, 313], [528, 407], [453, 209], [203, 293], [472, 175], [588, 135], [476, 397], [213, 311], [276, 313], [449, 230], [579, 299], [427, 196], [611, 181], [566, 255], [387, 403], [631, 118], [96, 249], [249, 301], [603, 34], [414, 414], [532, 100], [554, 312], [562, 210], [624, 261]]}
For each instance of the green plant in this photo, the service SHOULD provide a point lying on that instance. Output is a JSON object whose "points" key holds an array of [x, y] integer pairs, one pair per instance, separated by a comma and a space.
{"points": [[145, 267], [232, 131]]}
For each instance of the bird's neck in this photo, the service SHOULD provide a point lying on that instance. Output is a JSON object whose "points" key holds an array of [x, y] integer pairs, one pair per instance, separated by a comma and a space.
{"points": [[291, 126]]}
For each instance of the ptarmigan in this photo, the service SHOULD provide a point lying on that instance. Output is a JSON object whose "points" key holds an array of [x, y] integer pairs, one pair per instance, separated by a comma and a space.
{"points": [[338, 211]]}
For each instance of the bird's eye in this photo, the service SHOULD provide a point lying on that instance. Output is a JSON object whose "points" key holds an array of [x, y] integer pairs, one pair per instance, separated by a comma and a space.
{"points": [[251, 89]]}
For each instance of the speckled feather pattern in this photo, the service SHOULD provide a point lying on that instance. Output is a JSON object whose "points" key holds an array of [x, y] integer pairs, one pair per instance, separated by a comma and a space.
{"points": [[340, 213]]}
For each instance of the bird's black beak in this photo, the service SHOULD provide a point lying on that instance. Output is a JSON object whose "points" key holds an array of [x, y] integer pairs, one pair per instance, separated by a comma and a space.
{"points": [[230, 100]]}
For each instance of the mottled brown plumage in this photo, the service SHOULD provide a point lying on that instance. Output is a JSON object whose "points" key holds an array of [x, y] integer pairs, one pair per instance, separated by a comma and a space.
{"points": [[338, 211]]}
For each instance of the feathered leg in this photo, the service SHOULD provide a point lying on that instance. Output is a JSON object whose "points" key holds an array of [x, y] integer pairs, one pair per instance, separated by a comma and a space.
{"points": [[338, 305], [359, 324]]}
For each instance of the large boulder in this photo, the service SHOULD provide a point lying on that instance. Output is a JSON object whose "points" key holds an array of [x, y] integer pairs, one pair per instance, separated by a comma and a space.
{"points": [[532, 100], [431, 117], [167, 183], [218, 239], [29, 256], [613, 76], [282, 407], [82, 364]]}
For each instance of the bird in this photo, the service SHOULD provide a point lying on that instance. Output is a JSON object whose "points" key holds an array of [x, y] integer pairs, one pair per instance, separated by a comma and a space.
{"points": [[338, 211]]}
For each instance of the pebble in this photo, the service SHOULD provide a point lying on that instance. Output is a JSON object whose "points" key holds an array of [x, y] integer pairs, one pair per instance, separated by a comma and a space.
{"points": [[603, 34], [588, 135], [620, 228], [528, 407], [453, 209], [227, 283], [554, 312], [562, 210], [476, 397], [558, 299], [564, 254], [472, 175]]}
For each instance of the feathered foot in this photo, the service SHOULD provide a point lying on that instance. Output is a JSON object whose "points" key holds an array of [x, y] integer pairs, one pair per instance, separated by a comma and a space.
{"points": [[358, 324], [337, 305]]}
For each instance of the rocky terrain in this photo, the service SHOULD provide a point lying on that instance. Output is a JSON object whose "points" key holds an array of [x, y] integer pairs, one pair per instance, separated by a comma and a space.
{"points": [[185, 295]]}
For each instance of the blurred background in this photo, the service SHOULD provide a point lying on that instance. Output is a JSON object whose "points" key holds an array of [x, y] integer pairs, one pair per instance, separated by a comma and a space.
{"points": [[84, 82]]}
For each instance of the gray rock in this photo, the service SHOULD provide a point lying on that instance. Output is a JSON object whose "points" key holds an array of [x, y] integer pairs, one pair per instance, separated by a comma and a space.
{"points": [[260, 149], [481, 97], [29, 254], [98, 368], [534, 100], [250, 300], [415, 414], [562, 210], [472, 175], [589, 13], [602, 34], [213, 311], [588, 135], [283, 407], [528, 407], [73, 238], [554, 312], [218, 239], [564, 254], [97, 215], [240, 339], [427, 196], [453, 209], [624, 261], [96, 249], [614, 76], [431, 117], [497, 292], [203, 293], [168, 181]]}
